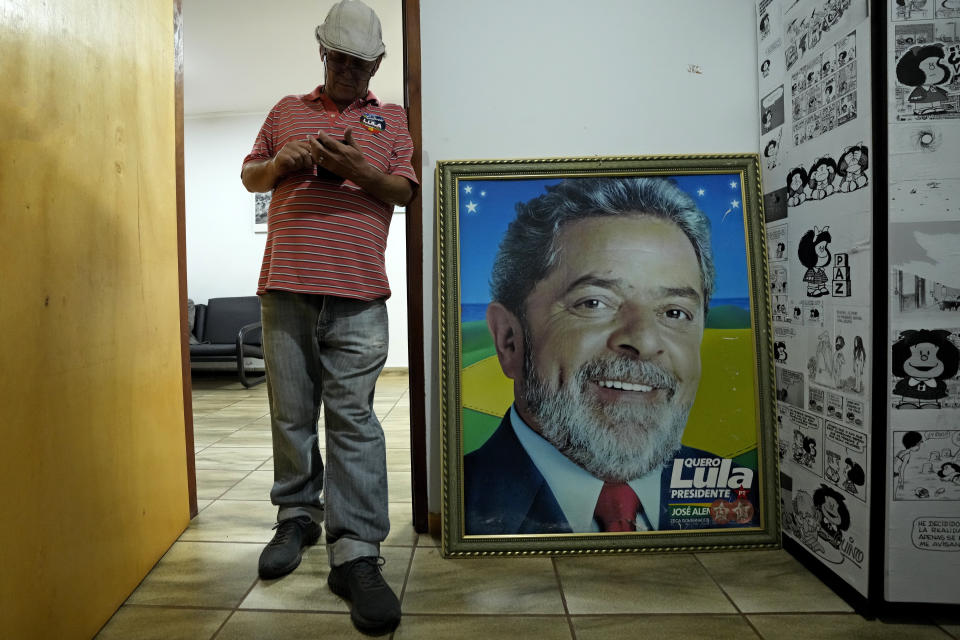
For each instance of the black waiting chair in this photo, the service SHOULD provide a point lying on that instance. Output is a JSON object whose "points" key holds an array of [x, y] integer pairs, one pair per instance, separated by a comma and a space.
{"points": [[228, 329]]}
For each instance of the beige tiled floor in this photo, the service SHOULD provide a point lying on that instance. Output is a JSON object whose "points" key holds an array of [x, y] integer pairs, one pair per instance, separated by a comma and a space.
{"points": [[206, 586]]}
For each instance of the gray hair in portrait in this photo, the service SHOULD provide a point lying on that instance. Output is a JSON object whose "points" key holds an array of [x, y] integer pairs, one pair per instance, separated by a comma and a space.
{"points": [[528, 253]]}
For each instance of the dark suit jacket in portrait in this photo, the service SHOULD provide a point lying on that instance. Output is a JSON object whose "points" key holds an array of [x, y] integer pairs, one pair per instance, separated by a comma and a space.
{"points": [[505, 493]]}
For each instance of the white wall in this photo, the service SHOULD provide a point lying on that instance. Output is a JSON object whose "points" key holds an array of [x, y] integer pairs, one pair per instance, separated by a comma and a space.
{"points": [[525, 78], [223, 252]]}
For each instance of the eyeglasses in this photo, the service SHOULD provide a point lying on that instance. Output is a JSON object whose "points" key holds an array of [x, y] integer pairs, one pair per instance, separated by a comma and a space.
{"points": [[343, 62]]}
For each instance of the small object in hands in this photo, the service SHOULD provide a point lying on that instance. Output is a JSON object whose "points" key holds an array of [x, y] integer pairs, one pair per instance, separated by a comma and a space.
{"points": [[324, 173]]}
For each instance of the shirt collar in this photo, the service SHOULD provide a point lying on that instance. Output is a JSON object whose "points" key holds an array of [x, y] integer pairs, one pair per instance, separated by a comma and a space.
{"points": [[318, 95], [575, 489]]}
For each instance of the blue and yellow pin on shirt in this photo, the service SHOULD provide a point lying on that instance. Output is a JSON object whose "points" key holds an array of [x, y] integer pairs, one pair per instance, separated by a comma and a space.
{"points": [[373, 122]]}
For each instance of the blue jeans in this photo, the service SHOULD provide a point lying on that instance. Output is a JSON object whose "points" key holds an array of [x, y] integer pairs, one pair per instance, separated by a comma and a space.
{"points": [[328, 351]]}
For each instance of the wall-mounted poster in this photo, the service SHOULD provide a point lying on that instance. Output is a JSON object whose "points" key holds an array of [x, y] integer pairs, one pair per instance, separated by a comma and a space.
{"points": [[927, 70], [261, 207], [606, 356]]}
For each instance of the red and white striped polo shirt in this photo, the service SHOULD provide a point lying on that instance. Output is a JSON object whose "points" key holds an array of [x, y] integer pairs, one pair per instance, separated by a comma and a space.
{"points": [[325, 235]]}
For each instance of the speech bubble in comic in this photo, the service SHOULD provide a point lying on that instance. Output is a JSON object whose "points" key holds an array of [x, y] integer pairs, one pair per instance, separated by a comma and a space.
{"points": [[936, 534], [849, 438]]}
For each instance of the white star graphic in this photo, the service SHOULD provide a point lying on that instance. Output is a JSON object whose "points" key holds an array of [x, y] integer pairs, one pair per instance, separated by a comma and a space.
{"points": [[468, 189], [733, 185], [735, 204], [700, 192], [471, 207], [483, 194]]}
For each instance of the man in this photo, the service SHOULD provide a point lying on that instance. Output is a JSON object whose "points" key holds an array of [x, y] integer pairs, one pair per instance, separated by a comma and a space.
{"points": [[337, 160], [600, 291]]}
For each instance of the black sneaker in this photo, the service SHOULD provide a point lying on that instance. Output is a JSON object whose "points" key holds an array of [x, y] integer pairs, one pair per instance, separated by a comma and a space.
{"points": [[282, 554], [374, 609]]}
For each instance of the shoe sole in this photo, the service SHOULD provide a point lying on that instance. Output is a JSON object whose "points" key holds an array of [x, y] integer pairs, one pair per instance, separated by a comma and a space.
{"points": [[279, 573], [362, 624]]}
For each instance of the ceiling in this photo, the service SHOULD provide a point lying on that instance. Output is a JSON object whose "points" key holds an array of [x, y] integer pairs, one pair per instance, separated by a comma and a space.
{"points": [[241, 56]]}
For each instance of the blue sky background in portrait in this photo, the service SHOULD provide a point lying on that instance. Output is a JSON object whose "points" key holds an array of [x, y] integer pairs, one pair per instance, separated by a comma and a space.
{"points": [[488, 206]]}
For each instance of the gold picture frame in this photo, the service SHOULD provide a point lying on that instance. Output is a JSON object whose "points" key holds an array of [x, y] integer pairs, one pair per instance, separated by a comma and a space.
{"points": [[575, 271]]}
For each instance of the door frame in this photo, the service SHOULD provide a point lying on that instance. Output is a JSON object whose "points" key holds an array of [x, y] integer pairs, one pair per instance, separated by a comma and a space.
{"points": [[414, 241]]}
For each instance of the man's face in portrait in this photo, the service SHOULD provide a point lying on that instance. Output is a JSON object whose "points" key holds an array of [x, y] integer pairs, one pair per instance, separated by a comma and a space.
{"points": [[611, 344]]}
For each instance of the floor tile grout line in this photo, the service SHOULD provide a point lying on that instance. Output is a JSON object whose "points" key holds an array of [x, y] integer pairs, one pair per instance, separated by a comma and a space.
{"points": [[717, 582], [741, 613], [236, 607], [563, 598], [223, 624], [228, 489], [406, 580]]}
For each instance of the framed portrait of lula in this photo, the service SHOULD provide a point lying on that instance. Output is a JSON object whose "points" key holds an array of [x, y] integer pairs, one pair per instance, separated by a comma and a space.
{"points": [[606, 356]]}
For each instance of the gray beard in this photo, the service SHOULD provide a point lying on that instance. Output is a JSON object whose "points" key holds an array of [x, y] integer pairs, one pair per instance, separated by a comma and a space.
{"points": [[613, 442]]}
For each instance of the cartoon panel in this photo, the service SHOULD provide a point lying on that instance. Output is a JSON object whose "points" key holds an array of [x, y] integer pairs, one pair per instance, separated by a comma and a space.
{"points": [[771, 111], [784, 344], [924, 369], [777, 242], [790, 387], [850, 359], [845, 459], [827, 363], [926, 465], [926, 71], [824, 91], [925, 279], [829, 175], [826, 520], [804, 432], [806, 24]]}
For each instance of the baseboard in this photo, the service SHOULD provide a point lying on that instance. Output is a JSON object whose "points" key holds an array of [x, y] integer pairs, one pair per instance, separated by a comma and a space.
{"points": [[434, 524], [395, 371], [254, 365]]}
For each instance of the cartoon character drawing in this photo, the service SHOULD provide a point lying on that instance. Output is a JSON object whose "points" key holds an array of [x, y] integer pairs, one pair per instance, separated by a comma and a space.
{"points": [[809, 452], [765, 68], [767, 120], [764, 26], [822, 174], [852, 168], [834, 517], [832, 467], [797, 186], [859, 362], [780, 351], [911, 442], [838, 358], [797, 445], [923, 67], [781, 248], [906, 7], [822, 361], [814, 254], [770, 153], [803, 520], [855, 476], [828, 92], [923, 360], [949, 472]]}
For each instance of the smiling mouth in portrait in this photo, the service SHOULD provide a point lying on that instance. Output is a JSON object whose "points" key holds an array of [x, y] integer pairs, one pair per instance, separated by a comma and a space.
{"points": [[615, 391]]}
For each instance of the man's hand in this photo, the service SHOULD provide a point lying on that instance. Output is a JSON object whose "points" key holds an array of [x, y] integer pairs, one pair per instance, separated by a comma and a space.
{"points": [[294, 156], [263, 175], [346, 160], [342, 158]]}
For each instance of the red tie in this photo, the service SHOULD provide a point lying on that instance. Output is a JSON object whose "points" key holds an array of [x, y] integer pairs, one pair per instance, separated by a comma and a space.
{"points": [[617, 507]]}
